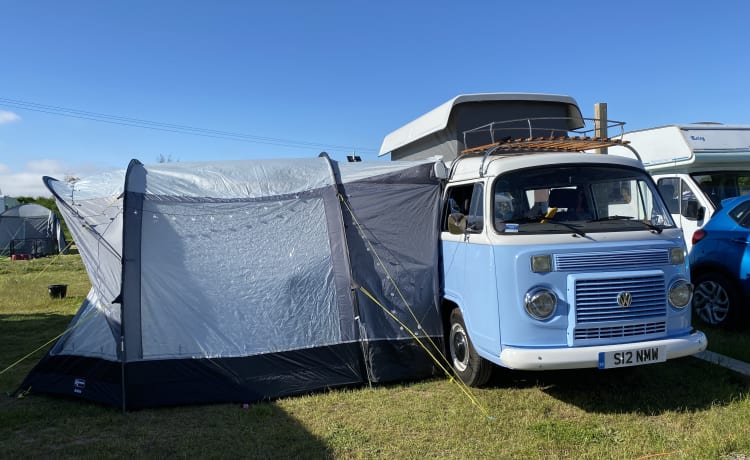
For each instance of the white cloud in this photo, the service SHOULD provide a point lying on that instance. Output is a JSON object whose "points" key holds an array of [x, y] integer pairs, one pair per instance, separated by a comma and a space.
{"points": [[8, 117], [28, 182], [44, 166]]}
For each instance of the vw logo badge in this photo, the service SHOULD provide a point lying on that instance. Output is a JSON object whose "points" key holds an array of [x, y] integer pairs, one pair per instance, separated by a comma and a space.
{"points": [[624, 299]]}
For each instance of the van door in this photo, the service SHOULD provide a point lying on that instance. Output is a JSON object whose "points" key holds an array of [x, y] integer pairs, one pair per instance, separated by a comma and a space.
{"points": [[687, 204], [468, 266]]}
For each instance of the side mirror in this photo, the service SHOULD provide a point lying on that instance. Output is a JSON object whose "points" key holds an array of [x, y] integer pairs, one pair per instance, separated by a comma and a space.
{"points": [[457, 223], [693, 210]]}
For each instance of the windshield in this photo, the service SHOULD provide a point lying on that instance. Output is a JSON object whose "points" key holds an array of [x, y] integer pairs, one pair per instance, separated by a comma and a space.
{"points": [[719, 185], [580, 199]]}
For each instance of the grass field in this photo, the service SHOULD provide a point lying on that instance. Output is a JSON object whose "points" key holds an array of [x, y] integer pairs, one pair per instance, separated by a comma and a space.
{"points": [[685, 408]]}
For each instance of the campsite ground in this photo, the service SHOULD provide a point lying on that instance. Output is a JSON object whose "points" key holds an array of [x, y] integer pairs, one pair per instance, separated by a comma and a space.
{"points": [[685, 408]]}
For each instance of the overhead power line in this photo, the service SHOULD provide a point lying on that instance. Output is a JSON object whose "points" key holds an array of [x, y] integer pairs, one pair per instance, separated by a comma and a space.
{"points": [[174, 128]]}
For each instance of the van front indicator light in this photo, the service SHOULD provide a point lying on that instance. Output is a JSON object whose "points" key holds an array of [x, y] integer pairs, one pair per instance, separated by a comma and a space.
{"points": [[676, 256], [541, 264]]}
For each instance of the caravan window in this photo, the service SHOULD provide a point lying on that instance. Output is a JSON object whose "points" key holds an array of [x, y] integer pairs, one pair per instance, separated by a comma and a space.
{"points": [[720, 185]]}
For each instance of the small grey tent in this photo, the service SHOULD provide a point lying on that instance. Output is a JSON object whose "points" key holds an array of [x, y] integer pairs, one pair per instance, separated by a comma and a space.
{"points": [[247, 280], [30, 229]]}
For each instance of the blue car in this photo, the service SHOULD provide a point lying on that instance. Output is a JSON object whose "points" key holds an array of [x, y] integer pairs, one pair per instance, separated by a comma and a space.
{"points": [[720, 265]]}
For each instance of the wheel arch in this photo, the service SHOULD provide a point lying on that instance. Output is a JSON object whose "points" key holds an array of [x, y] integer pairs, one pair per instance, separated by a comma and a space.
{"points": [[712, 267], [446, 307], [740, 313]]}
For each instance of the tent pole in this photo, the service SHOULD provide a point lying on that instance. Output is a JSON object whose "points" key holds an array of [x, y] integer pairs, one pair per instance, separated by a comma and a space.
{"points": [[353, 285], [122, 372]]}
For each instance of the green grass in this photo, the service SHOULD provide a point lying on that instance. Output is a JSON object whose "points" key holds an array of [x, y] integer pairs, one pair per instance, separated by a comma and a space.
{"points": [[684, 408], [731, 343]]}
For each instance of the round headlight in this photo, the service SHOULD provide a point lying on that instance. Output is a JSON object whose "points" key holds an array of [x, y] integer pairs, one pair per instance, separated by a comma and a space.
{"points": [[680, 293], [540, 303]]}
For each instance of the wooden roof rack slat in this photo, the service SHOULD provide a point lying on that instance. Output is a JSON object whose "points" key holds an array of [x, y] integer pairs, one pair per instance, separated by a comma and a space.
{"points": [[553, 143]]}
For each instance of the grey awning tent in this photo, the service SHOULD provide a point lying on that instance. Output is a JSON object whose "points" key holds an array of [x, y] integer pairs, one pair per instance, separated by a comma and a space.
{"points": [[247, 280], [30, 229]]}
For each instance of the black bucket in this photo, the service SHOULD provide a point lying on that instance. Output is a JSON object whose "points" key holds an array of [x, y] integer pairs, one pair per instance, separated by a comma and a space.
{"points": [[58, 291]]}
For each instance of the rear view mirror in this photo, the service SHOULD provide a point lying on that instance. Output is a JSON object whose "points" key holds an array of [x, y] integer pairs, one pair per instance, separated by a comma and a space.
{"points": [[694, 211]]}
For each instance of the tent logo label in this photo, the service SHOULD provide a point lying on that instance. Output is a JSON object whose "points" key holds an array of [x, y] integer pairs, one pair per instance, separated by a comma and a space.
{"points": [[79, 385]]}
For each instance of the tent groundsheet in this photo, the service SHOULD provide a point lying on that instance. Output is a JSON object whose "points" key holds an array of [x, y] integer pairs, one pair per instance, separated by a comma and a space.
{"points": [[247, 280]]}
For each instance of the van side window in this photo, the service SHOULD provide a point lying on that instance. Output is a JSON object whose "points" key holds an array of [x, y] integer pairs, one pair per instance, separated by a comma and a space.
{"points": [[669, 190], [678, 196], [475, 219], [466, 200]]}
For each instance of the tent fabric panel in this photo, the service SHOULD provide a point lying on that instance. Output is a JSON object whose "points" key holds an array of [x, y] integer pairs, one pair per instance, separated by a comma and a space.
{"points": [[242, 379], [379, 171], [340, 267], [93, 332], [131, 262], [229, 268], [103, 186], [96, 227], [78, 377], [403, 359], [399, 223], [395, 258], [237, 179]]}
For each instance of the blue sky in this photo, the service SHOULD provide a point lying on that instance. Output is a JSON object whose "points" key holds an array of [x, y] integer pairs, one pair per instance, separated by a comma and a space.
{"points": [[298, 77]]}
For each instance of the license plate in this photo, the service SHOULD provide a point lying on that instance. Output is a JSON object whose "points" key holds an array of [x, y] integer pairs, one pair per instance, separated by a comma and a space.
{"points": [[610, 359]]}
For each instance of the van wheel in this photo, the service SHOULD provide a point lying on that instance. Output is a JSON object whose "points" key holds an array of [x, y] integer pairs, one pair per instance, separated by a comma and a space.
{"points": [[471, 368], [715, 300]]}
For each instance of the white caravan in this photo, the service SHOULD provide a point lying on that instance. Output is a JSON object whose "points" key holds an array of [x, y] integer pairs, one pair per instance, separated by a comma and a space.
{"points": [[695, 166]]}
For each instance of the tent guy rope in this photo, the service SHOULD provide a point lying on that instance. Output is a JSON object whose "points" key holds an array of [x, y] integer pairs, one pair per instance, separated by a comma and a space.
{"points": [[441, 363]]}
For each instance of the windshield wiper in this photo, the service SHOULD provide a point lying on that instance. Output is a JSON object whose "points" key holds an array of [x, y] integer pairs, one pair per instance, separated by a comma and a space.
{"points": [[605, 219], [575, 228], [651, 226], [646, 223], [542, 219]]}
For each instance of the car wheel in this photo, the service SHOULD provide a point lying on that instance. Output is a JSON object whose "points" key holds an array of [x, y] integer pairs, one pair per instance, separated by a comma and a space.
{"points": [[471, 368], [715, 300]]}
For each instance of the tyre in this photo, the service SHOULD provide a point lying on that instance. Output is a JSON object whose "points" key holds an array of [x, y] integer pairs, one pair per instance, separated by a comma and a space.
{"points": [[471, 368], [715, 300]]}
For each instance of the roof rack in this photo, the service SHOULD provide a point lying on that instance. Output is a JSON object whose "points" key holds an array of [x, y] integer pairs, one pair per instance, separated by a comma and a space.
{"points": [[542, 135], [552, 143], [523, 133]]}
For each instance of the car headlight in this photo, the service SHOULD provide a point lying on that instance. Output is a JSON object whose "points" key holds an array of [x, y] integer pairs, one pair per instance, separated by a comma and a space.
{"points": [[680, 293], [540, 303]]}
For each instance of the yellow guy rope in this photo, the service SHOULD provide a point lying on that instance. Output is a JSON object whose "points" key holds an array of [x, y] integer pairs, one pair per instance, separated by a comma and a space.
{"points": [[54, 259], [385, 269], [462, 386], [440, 363], [83, 320]]}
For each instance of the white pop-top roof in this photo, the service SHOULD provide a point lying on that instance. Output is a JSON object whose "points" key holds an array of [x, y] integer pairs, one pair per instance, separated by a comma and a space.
{"points": [[437, 118]]}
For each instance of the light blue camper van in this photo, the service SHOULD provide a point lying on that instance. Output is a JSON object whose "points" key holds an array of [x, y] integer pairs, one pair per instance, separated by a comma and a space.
{"points": [[551, 258]]}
